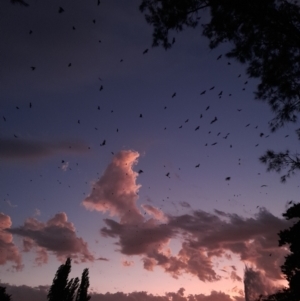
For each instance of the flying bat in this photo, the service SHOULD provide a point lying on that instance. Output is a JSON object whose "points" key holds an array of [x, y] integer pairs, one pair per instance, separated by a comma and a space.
{"points": [[214, 120]]}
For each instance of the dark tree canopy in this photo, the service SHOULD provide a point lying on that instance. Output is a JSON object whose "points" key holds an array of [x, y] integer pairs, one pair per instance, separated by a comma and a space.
{"points": [[290, 237], [291, 266], [264, 35], [58, 291], [63, 289], [281, 161], [71, 288], [82, 293], [3, 295]]}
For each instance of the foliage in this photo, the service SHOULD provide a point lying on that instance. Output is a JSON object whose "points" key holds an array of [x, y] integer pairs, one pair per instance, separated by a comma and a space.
{"points": [[3, 295], [71, 288], [291, 266], [63, 289], [58, 291], [265, 35], [280, 161], [82, 293]]}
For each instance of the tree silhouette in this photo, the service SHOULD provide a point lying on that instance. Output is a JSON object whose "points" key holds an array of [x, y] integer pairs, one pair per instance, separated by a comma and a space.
{"points": [[3, 295], [63, 289], [58, 290], [280, 161], [265, 35], [82, 293], [71, 289], [291, 266]]}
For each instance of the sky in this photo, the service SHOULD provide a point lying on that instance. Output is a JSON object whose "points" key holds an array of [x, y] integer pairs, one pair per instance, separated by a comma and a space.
{"points": [[140, 164]]}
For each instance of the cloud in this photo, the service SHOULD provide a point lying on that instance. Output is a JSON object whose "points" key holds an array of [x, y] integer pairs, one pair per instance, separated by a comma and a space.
{"points": [[169, 296], [24, 293], [37, 212], [213, 296], [10, 204], [137, 239], [116, 191], [30, 149], [252, 239], [8, 250], [234, 276], [185, 204], [127, 263], [256, 284], [205, 237], [65, 166], [103, 259], [150, 240], [57, 236], [155, 212]]}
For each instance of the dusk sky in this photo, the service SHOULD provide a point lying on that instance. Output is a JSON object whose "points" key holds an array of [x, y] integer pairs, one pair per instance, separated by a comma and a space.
{"points": [[140, 164]]}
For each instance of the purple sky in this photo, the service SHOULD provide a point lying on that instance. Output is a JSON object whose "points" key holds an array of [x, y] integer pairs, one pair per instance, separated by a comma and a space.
{"points": [[107, 167]]}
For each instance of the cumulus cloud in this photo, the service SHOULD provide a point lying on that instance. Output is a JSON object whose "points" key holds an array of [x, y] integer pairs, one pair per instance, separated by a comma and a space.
{"points": [[8, 250], [32, 149], [205, 237], [148, 237], [57, 236], [256, 284], [127, 263], [24, 293], [116, 191], [155, 212], [252, 239]]}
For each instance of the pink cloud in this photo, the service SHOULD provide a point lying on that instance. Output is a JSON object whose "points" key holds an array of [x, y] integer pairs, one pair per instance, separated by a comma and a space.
{"points": [[57, 236], [253, 239], [116, 191], [8, 250], [127, 263], [215, 296], [256, 284], [155, 212], [24, 293], [206, 237], [138, 239], [235, 277]]}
